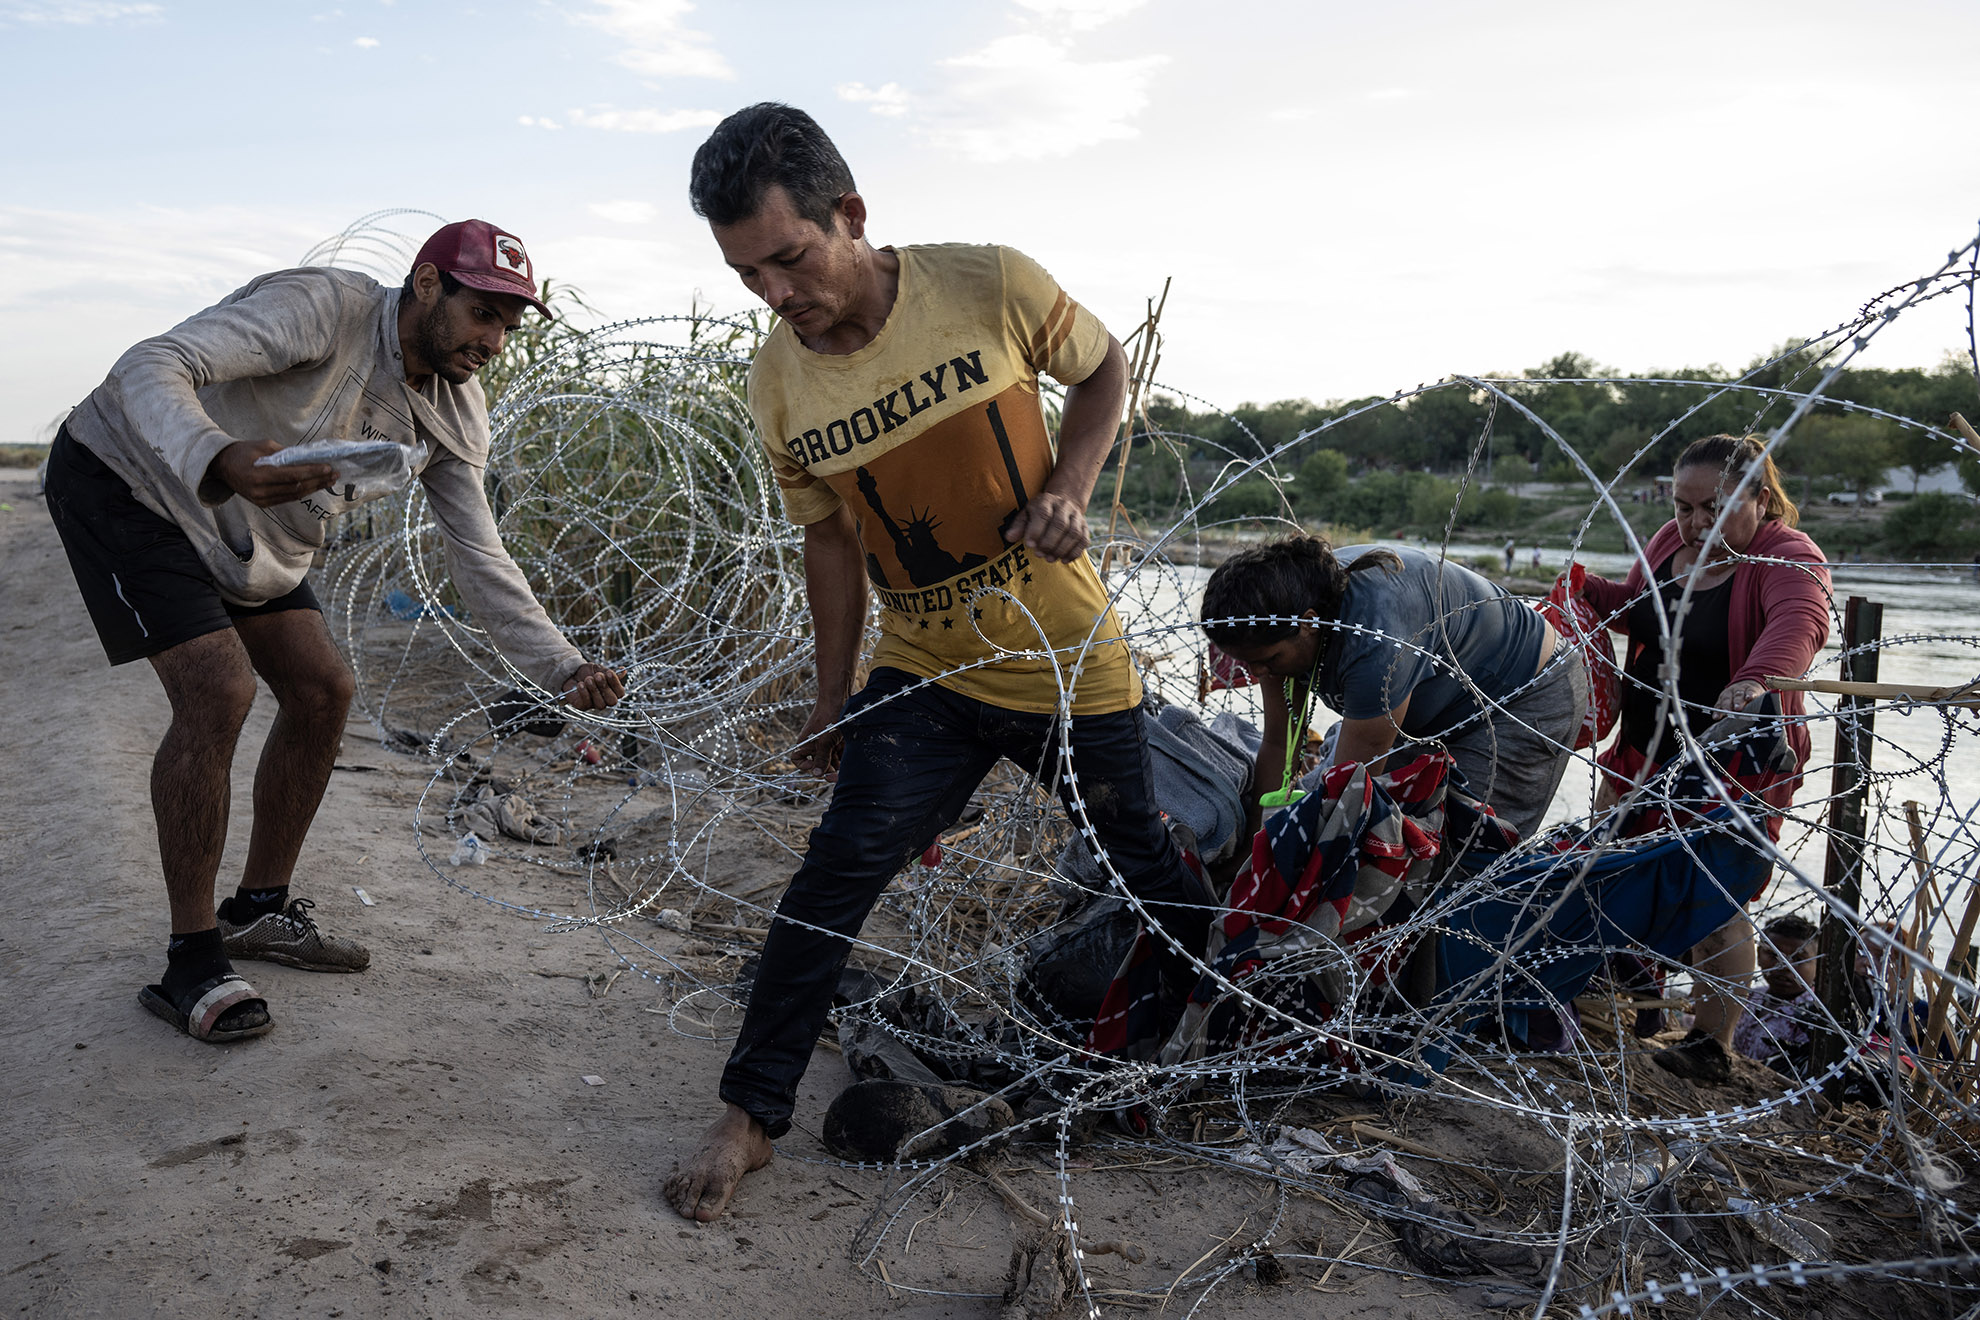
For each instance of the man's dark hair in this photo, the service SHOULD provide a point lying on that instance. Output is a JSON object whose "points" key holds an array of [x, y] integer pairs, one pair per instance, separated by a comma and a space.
{"points": [[761, 145], [1793, 926], [1280, 580], [449, 286]]}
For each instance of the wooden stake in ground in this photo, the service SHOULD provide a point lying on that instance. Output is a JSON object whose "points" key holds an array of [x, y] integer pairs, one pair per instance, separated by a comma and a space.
{"points": [[1147, 353], [1849, 787]]}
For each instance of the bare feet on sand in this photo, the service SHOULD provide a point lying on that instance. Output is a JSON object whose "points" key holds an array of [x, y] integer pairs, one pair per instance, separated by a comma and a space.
{"points": [[701, 1185]]}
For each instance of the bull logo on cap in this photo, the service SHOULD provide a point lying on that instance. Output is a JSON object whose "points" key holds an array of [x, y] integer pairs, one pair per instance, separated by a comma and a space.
{"points": [[509, 252]]}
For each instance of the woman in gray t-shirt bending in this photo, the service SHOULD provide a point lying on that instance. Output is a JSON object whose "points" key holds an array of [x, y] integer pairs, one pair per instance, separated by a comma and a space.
{"points": [[1408, 649]]}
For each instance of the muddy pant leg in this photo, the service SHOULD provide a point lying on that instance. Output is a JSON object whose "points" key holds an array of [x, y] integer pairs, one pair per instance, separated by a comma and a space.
{"points": [[1111, 789], [907, 771]]}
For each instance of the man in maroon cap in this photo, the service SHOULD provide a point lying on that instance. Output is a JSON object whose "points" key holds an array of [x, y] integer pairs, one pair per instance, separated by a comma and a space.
{"points": [[192, 554]]}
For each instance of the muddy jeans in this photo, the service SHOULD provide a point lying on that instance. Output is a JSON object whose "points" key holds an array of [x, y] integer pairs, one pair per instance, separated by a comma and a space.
{"points": [[907, 771]]}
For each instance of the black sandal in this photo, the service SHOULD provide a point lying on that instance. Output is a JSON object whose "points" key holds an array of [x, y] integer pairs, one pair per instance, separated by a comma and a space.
{"points": [[219, 1009]]}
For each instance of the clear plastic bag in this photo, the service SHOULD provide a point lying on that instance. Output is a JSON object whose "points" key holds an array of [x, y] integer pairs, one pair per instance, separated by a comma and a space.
{"points": [[470, 851], [366, 469]]}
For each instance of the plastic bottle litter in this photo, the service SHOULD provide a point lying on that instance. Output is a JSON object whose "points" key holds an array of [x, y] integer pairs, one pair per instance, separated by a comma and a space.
{"points": [[366, 469], [1620, 1178], [1800, 1238], [470, 851]]}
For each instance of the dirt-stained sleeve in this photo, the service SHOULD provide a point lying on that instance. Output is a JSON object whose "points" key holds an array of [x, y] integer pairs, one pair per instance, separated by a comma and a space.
{"points": [[1059, 338], [490, 584], [278, 322]]}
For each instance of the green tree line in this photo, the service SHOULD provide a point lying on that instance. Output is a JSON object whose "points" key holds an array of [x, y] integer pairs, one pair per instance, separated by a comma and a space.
{"points": [[1379, 464]]}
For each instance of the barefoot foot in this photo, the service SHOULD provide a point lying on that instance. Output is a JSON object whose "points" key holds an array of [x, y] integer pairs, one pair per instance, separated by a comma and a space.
{"points": [[701, 1185]]}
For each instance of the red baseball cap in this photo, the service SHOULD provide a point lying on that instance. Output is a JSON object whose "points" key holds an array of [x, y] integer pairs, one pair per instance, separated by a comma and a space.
{"points": [[482, 257]]}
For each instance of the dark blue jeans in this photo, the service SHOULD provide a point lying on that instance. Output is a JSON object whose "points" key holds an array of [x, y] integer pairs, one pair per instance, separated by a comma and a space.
{"points": [[907, 771]]}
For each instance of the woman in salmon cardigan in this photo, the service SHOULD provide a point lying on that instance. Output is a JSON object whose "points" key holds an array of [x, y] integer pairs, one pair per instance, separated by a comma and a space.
{"points": [[1760, 605]]}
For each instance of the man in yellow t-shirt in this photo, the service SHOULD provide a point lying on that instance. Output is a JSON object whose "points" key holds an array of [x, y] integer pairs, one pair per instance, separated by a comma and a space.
{"points": [[897, 397]]}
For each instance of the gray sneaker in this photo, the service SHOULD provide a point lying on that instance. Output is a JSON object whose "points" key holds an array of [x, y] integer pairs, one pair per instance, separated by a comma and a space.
{"points": [[291, 937]]}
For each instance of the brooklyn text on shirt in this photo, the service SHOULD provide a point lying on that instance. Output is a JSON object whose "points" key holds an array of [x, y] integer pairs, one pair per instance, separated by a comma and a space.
{"points": [[915, 395]]}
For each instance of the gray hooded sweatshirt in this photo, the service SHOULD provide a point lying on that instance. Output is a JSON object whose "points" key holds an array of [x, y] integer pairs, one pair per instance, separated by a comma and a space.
{"points": [[305, 355]]}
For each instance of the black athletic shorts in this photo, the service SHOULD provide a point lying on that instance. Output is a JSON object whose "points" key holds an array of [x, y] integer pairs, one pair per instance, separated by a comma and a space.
{"points": [[146, 587]]}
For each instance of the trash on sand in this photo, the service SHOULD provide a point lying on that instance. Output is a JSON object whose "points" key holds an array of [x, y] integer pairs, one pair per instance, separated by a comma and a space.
{"points": [[1802, 1240], [883, 1120], [592, 1079], [492, 813], [1304, 1151], [470, 851], [363, 897]]}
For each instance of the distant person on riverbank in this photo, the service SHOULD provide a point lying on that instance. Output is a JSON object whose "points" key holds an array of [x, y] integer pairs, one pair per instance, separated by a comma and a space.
{"points": [[1512, 549], [1411, 651], [192, 554], [1759, 606], [897, 396]]}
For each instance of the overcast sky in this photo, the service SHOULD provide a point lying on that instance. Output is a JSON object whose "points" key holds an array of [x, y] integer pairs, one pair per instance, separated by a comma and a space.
{"points": [[1352, 198]]}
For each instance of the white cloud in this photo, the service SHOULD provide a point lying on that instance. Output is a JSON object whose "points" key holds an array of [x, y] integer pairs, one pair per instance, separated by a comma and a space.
{"points": [[889, 99], [655, 45], [644, 121], [626, 212], [366, 43], [538, 121], [1080, 15], [1025, 96], [77, 13]]}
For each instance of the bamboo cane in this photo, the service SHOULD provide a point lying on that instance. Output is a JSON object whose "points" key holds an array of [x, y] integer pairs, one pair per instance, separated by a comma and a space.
{"points": [[1966, 695], [1924, 904], [1935, 1018], [1972, 438]]}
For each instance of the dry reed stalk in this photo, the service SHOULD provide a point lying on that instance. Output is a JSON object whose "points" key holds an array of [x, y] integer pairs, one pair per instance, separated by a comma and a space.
{"points": [[1147, 353]]}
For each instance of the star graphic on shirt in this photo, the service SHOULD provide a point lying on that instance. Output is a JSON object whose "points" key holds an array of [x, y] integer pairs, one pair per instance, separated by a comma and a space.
{"points": [[976, 612], [1027, 577], [924, 623], [948, 623]]}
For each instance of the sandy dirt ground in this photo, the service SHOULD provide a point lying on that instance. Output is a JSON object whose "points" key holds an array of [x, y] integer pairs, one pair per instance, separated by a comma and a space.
{"points": [[417, 1139]]}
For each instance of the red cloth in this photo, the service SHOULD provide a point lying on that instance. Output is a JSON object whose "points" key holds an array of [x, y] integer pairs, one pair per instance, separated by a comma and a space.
{"points": [[1777, 621], [1579, 624]]}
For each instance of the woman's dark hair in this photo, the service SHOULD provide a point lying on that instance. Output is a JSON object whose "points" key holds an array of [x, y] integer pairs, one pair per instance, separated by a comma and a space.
{"points": [[761, 145], [1281, 579], [1732, 455], [1791, 927]]}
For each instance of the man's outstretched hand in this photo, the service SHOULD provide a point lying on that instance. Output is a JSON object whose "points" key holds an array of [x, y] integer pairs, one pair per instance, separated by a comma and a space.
{"points": [[235, 467], [1052, 526], [593, 687]]}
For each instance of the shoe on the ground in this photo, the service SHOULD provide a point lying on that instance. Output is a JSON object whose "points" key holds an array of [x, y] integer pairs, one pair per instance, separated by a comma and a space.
{"points": [[222, 1008], [1698, 1057], [291, 937]]}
